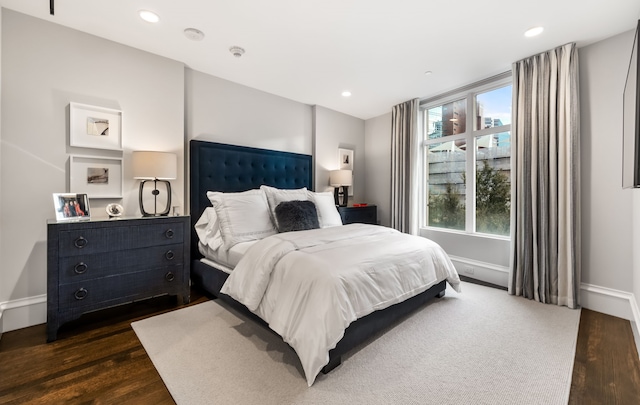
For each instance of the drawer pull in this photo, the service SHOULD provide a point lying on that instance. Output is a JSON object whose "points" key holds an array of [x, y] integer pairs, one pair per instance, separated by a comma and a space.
{"points": [[169, 233], [169, 255], [81, 294], [80, 268], [170, 276], [80, 242]]}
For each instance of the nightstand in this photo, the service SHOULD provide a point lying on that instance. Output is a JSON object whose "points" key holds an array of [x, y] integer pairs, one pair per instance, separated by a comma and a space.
{"points": [[366, 215], [92, 265]]}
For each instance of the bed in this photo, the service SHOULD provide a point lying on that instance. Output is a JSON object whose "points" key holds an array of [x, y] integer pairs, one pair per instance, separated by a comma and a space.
{"points": [[220, 168]]}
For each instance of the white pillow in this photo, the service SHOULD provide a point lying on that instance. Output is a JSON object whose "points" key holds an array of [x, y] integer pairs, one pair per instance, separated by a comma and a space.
{"points": [[243, 216], [328, 214], [276, 195], [208, 229]]}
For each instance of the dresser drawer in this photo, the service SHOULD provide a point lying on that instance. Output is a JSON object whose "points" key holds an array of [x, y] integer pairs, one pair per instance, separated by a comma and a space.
{"points": [[96, 240], [84, 267], [120, 288]]}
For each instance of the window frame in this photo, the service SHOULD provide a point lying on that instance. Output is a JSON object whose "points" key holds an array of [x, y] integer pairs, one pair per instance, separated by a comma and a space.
{"points": [[471, 136]]}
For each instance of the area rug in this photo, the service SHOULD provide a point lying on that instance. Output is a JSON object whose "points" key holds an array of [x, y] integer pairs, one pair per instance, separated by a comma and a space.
{"points": [[482, 346]]}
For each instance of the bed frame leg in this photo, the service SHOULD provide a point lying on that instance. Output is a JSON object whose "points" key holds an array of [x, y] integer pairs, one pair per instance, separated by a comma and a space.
{"points": [[333, 363], [440, 294]]}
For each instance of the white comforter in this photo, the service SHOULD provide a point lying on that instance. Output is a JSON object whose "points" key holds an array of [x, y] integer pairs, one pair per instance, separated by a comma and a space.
{"points": [[310, 285]]}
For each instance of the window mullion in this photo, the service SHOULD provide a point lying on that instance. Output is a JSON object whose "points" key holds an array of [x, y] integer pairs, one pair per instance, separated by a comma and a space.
{"points": [[470, 200]]}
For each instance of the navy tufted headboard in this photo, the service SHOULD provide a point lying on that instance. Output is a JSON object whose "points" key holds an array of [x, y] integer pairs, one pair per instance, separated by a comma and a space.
{"points": [[230, 168]]}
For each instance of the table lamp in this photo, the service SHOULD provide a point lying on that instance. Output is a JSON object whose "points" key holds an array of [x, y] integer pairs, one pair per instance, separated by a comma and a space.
{"points": [[341, 180], [159, 167]]}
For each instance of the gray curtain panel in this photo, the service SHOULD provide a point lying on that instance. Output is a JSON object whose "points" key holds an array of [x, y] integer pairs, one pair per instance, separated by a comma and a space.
{"points": [[545, 218], [404, 166]]}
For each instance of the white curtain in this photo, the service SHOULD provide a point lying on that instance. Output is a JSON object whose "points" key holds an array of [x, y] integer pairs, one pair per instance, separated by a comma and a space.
{"points": [[545, 240], [405, 166]]}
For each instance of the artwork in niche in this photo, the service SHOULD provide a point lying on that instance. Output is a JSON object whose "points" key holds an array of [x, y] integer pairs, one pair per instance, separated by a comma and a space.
{"points": [[98, 175], [95, 127], [71, 207], [346, 159]]}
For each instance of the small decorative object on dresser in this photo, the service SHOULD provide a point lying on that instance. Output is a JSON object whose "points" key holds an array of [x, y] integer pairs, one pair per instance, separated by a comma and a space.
{"points": [[94, 265], [114, 210], [367, 214]]}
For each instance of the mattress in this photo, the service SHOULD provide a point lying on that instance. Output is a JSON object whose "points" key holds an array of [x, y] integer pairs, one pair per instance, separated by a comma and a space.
{"points": [[227, 259]]}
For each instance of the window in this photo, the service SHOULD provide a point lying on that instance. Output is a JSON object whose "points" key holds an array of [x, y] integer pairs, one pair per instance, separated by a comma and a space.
{"points": [[458, 146]]}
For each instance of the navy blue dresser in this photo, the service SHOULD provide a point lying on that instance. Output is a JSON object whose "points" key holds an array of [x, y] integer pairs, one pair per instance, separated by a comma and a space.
{"points": [[98, 264]]}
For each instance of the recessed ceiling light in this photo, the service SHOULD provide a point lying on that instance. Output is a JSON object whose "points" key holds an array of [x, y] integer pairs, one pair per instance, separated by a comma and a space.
{"points": [[427, 73], [149, 16], [532, 32], [346, 93], [194, 34]]}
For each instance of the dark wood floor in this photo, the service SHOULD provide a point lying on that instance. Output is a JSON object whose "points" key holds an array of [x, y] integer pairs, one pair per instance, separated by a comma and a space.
{"points": [[99, 360]]}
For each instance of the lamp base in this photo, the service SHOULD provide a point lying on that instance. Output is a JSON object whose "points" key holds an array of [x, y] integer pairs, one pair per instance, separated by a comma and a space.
{"points": [[155, 193], [342, 202]]}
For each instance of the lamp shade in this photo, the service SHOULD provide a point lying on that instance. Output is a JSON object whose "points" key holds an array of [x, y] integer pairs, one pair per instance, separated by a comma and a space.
{"points": [[339, 178], [154, 165]]}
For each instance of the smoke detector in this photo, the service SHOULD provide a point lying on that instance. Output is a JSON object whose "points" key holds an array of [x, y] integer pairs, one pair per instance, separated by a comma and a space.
{"points": [[194, 34], [236, 51]]}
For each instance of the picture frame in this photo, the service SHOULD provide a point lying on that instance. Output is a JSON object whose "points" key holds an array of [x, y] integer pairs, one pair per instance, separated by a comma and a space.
{"points": [[345, 157], [99, 177], [95, 127], [71, 207]]}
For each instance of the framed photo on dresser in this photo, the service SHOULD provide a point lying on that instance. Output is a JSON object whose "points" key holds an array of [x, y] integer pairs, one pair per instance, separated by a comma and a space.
{"points": [[71, 207]]}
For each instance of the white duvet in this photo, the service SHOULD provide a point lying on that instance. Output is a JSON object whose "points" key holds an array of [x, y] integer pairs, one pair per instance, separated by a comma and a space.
{"points": [[310, 285]]}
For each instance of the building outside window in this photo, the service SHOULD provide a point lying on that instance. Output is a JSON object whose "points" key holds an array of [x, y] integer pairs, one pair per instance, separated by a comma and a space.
{"points": [[467, 160]]}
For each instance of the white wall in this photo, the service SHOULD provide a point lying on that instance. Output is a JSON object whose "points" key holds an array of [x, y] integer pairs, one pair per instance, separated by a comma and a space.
{"points": [[1, 257], [222, 111], [45, 67], [333, 130], [377, 147], [608, 216]]}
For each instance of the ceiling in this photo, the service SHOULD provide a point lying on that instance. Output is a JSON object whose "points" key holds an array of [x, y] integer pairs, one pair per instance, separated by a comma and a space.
{"points": [[313, 50]]}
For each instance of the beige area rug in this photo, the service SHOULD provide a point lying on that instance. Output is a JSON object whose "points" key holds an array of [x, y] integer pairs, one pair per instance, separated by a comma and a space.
{"points": [[479, 347]]}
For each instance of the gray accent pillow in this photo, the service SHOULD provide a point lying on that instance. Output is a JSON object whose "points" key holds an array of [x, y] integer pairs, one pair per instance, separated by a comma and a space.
{"points": [[296, 216]]}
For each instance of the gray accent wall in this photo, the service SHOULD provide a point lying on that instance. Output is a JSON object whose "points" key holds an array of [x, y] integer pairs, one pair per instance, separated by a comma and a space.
{"points": [[46, 66]]}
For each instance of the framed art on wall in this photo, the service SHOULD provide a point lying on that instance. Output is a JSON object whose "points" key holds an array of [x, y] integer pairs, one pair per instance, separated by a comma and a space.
{"points": [[71, 207], [345, 157], [99, 177], [95, 127]]}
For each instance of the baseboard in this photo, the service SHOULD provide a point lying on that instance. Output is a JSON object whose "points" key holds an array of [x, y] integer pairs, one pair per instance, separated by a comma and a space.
{"points": [[488, 272], [23, 312], [609, 301]]}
